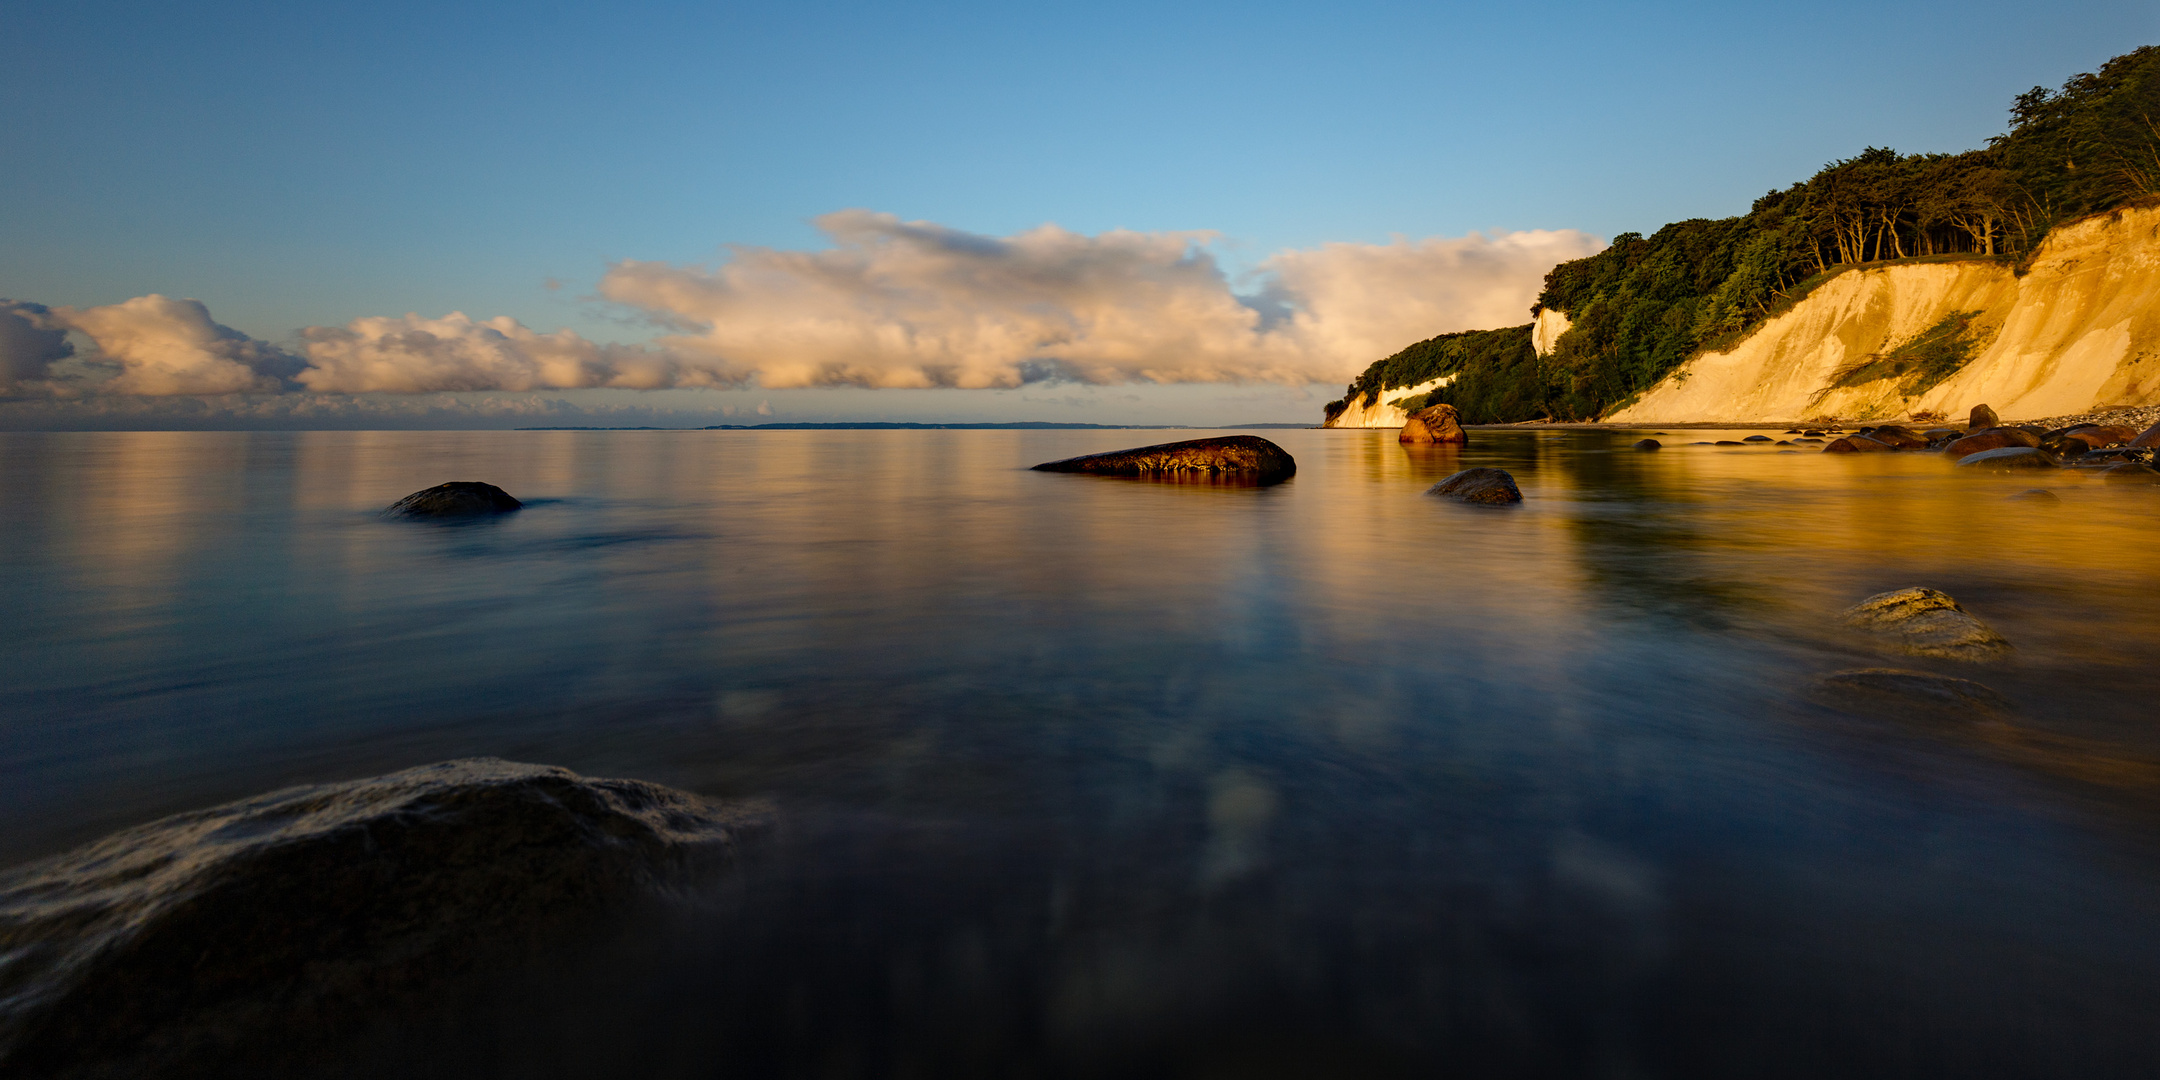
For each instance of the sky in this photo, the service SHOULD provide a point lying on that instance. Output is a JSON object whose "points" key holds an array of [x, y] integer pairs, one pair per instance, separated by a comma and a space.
{"points": [[389, 214]]}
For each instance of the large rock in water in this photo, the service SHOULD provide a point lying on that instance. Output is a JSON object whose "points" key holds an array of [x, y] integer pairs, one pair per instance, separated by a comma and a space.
{"points": [[458, 498], [1434, 424], [1491, 487], [228, 931], [1982, 418], [2010, 457], [1925, 622], [1229, 457], [1989, 439]]}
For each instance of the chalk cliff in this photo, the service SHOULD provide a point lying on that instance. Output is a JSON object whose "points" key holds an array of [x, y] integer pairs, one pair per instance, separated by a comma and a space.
{"points": [[2079, 329], [1384, 412]]}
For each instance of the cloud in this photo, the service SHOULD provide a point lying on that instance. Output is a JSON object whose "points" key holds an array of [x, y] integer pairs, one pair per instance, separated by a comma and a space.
{"points": [[410, 355], [890, 304], [916, 304], [157, 346]]}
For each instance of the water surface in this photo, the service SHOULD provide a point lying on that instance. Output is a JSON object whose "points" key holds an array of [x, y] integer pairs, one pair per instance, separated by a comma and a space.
{"points": [[1087, 776]]}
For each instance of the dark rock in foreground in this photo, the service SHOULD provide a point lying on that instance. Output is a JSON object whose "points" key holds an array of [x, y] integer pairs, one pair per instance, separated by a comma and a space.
{"points": [[1230, 457], [1491, 487], [458, 498], [220, 932], [1925, 622], [1434, 424], [1888, 693], [2010, 457]]}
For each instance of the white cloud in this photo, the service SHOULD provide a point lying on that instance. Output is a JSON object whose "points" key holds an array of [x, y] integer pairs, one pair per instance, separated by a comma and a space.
{"points": [[157, 346], [915, 304], [412, 355]]}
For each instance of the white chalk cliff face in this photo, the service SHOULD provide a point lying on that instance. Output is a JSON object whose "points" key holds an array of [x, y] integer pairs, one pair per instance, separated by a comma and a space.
{"points": [[2080, 330], [1545, 332], [1384, 412]]}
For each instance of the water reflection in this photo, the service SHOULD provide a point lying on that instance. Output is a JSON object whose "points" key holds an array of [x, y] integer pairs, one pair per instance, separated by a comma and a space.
{"points": [[1087, 776]]}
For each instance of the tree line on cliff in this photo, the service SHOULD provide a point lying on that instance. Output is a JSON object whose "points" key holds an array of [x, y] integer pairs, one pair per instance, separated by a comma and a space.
{"points": [[1646, 304]]}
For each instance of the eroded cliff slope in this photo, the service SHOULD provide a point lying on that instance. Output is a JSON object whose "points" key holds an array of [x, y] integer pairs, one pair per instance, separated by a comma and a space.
{"points": [[2079, 329]]}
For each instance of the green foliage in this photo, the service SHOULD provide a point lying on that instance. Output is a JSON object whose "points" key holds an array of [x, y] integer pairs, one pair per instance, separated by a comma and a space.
{"points": [[1430, 359], [1921, 364], [1645, 305]]}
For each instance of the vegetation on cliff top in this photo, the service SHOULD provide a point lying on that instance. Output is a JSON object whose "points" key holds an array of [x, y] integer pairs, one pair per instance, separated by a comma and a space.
{"points": [[1646, 304]]}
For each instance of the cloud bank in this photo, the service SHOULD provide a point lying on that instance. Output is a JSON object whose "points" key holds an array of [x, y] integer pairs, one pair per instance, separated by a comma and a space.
{"points": [[890, 304]]}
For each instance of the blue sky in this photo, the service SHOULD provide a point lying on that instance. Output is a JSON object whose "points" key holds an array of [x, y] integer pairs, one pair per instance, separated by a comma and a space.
{"points": [[302, 165]]}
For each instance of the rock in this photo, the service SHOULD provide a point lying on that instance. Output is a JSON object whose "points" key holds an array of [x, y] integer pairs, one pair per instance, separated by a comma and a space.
{"points": [[2100, 436], [1901, 438], [1434, 424], [2130, 472], [1925, 622], [1229, 457], [1728, 442], [1813, 433], [1807, 440], [232, 930], [1784, 442], [1888, 693], [1942, 434], [1756, 438], [1488, 486], [459, 498], [2151, 437], [1982, 418], [2037, 495], [2064, 446], [1856, 444], [1990, 439], [2010, 457], [1648, 444]]}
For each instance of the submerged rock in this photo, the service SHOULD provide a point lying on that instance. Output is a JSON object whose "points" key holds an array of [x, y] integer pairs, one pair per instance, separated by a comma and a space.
{"points": [[1925, 622], [1756, 438], [2038, 495], [1889, 693], [1434, 424], [1492, 487], [2130, 472], [2010, 457], [458, 498], [207, 933], [1648, 444], [1230, 457], [1981, 418]]}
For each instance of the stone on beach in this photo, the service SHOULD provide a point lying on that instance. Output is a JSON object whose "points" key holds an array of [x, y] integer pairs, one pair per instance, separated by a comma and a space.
{"points": [[1989, 439], [1981, 418], [1925, 622], [2151, 437], [459, 498], [1491, 487], [1229, 457], [1889, 693], [1434, 424], [2010, 457], [209, 932]]}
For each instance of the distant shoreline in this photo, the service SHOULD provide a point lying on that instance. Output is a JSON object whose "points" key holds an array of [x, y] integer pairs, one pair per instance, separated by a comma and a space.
{"points": [[1022, 425]]}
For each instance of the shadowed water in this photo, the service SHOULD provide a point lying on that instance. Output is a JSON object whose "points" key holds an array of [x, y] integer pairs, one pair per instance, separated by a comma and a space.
{"points": [[1094, 776]]}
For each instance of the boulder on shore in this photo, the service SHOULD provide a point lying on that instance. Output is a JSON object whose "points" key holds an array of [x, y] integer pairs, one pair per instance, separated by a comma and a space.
{"points": [[1434, 424], [2010, 457], [1228, 457], [224, 933], [1892, 694], [1925, 622], [2151, 437], [1489, 487], [1982, 418], [458, 498]]}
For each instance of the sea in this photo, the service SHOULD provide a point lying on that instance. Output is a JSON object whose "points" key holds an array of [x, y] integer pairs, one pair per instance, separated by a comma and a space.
{"points": [[1093, 776]]}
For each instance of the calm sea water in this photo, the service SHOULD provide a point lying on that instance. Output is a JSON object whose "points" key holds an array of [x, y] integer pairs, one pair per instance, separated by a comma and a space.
{"points": [[1087, 776]]}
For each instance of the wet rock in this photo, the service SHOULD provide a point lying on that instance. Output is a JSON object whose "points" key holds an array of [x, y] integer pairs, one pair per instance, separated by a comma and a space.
{"points": [[1756, 438], [2130, 472], [2150, 437], [1990, 439], [1892, 694], [1925, 622], [1648, 444], [230, 930], [1814, 433], [2100, 436], [2037, 495], [1856, 444], [1491, 487], [1981, 418], [1229, 457], [2010, 457], [1729, 442], [1784, 442], [1897, 437], [458, 498], [2064, 446], [1942, 434], [1434, 424], [1809, 439]]}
